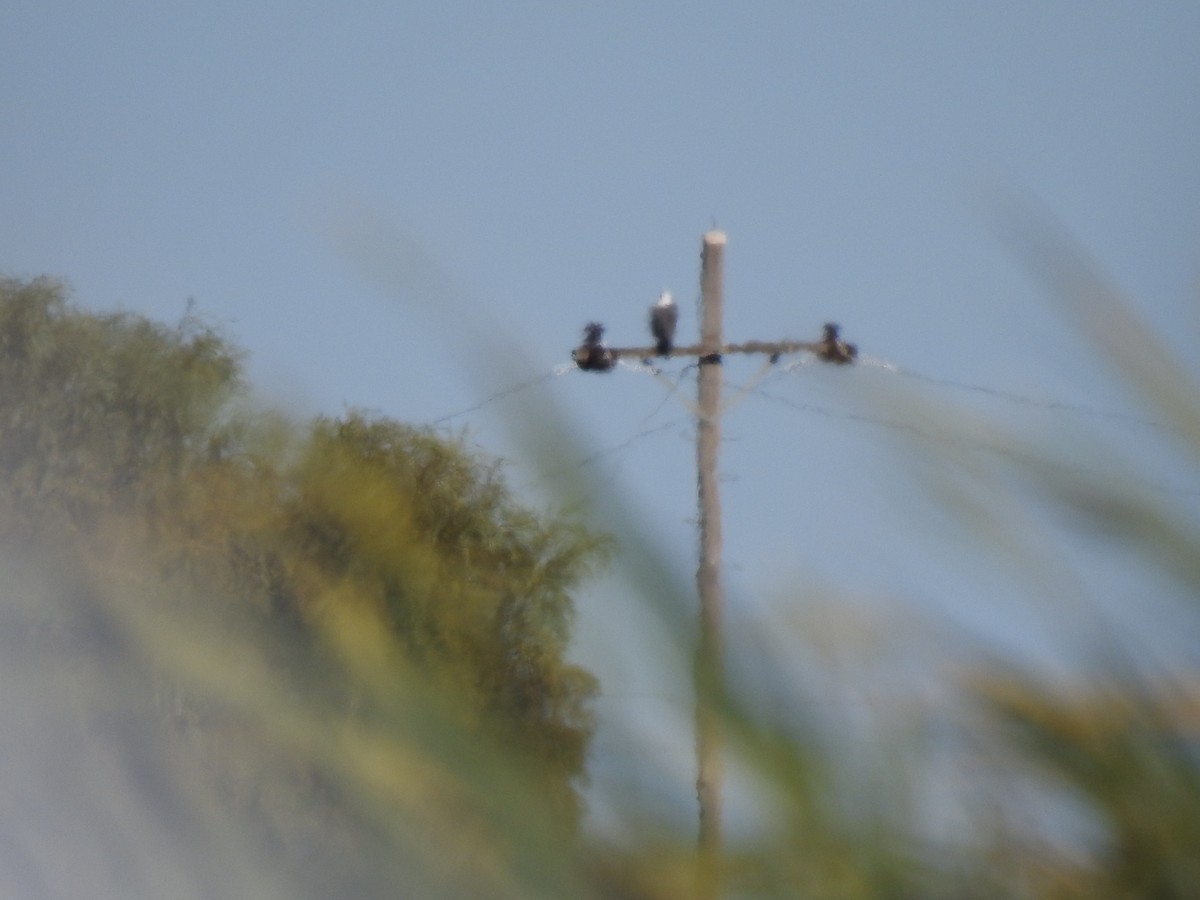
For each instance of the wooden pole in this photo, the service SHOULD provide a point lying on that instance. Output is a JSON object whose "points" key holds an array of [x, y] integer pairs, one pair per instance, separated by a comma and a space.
{"points": [[593, 355], [709, 666]]}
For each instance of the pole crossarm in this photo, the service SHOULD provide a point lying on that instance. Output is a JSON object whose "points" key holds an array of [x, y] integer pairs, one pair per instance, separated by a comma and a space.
{"points": [[595, 357]]}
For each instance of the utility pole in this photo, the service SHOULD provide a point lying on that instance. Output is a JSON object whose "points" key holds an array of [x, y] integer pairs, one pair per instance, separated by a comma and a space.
{"points": [[593, 355], [709, 670]]}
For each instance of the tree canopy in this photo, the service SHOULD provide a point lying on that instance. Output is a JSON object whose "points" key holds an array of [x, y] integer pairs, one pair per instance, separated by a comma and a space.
{"points": [[391, 560]]}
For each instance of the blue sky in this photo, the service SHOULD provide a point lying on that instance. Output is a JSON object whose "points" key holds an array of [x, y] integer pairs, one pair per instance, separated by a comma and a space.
{"points": [[538, 165]]}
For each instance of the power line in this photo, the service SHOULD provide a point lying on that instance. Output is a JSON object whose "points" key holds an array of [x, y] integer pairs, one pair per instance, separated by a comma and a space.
{"points": [[770, 371], [556, 372], [595, 457], [605, 452], [1020, 399], [958, 440], [499, 395]]}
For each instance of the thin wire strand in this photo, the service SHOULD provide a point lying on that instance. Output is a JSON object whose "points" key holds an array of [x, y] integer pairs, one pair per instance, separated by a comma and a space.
{"points": [[1025, 400], [745, 390], [598, 455], [1000, 394], [975, 446], [673, 391], [499, 395], [592, 458]]}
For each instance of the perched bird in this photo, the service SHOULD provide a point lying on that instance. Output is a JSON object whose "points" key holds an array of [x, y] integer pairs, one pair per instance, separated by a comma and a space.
{"points": [[592, 355], [833, 349], [593, 334], [664, 315]]}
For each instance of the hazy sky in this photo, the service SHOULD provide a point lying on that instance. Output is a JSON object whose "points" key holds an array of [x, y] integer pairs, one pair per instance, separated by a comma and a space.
{"points": [[344, 189]]}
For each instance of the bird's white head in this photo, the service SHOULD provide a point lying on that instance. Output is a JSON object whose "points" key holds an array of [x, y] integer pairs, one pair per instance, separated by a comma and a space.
{"points": [[665, 299]]}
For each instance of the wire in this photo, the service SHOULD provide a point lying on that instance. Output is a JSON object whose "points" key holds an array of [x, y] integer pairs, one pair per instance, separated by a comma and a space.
{"points": [[595, 457], [673, 391], [1007, 396], [975, 446], [758, 378], [1025, 400], [499, 395], [842, 414], [598, 455], [768, 370]]}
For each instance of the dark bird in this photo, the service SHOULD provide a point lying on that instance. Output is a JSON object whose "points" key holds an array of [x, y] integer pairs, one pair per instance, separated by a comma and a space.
{"points": [[833, 349], [664, 315], [592, 355]]}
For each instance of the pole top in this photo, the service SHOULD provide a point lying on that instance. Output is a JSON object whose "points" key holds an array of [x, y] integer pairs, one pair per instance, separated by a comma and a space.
{"points": [[716, 236]]}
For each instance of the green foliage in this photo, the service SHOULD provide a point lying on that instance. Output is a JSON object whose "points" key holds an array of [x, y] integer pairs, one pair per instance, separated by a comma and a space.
{"points": [[301, 620], [474, 587], [102, 412], [1120, 739]]}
